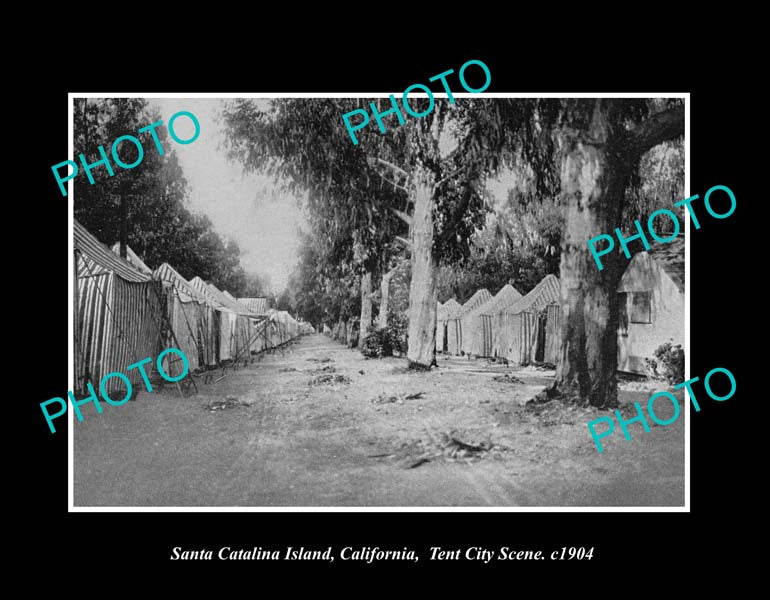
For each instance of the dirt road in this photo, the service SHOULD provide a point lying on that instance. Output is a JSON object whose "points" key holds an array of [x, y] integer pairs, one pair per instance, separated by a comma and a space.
{"points": [[322, 426]]}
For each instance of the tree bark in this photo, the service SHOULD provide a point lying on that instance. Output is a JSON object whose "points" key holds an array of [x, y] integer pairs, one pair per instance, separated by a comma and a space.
{"points": [[593, 181], [382, 318], [594, 175], [352, 335], [421, 352], [366, 305]]}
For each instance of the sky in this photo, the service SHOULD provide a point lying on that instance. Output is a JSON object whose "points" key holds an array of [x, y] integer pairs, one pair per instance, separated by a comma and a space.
{"points": [[249, 208]]}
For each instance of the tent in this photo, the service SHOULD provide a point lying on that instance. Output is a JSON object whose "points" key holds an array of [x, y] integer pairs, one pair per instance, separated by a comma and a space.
{"points": [[480, 324], [442, 313], [117, 315], [257, 306], [191, 315], [236, 323], [454, 320], [133, 258], [529, 327], [651, 295], [287, 327]]}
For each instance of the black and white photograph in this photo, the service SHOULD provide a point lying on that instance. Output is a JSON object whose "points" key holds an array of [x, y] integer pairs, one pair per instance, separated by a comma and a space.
{"points": [[427, 301]]}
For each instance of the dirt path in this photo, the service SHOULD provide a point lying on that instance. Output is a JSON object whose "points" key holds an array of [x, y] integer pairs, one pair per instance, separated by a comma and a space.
{"points": [[288, 443]]}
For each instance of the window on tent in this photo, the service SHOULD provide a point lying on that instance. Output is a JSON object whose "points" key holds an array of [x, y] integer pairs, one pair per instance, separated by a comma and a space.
{"points": [[641, 307]]}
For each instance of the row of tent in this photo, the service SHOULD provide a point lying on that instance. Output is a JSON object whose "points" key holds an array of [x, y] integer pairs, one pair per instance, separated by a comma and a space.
{"points": [[126, 312], [522, 329]]}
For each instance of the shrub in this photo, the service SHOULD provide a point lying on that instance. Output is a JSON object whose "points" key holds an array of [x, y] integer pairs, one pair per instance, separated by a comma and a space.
{"points": [[396, 329], [383, 342], [376, 344], [668, 363]]}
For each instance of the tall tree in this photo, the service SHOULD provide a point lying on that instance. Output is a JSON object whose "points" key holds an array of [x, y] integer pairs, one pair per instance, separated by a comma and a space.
{"points": [[160, 228], [302, 143], [589, 152]]}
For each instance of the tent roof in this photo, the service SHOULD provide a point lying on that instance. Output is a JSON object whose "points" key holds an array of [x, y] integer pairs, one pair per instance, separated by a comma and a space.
{"points": [[281, 316], [545, 292], [166, 272], [507, 296], [443, 310], [206, 290], [256, 305], [227, 301], [480, 297], [103, 259], [133, 258], [671, 259]]}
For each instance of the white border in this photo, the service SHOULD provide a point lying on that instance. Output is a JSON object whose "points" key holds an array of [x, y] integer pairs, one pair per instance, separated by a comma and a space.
{"points": [[371, 509]]}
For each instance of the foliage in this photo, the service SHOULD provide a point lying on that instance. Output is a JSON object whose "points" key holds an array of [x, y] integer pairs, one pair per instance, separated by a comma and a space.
{"points": [[383, 342], [668, 363], [376, 344], [160, 227], [398, 324], [257, 286]]}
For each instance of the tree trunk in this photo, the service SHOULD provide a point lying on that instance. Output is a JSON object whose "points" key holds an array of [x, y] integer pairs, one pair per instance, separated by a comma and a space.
{"points": [[593, 181], [421, 352], [366, 305], [352, 333], [595, 168], [382, 318]]}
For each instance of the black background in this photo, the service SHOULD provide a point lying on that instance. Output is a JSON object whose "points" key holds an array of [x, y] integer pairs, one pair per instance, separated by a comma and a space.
{"points": [[631, 546]]}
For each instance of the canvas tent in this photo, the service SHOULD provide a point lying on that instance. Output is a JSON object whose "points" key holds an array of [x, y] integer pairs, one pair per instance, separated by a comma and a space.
{"points": [[651, 296], [287, 326], [117, 315], [454, 320], [236, 322], [133, 258], [257, 306], [529, 327], [480, 324], [442, 314], [192, 316]]}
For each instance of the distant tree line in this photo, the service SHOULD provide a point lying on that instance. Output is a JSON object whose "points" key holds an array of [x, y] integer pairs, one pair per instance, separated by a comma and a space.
{"points": [[160, 227]]}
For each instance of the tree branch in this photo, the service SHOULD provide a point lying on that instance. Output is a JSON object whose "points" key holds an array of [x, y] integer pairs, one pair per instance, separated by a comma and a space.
{"points": [[397, 171], [403, 216], [448, 177], [407, 244], [661, 127], [390, 165]]}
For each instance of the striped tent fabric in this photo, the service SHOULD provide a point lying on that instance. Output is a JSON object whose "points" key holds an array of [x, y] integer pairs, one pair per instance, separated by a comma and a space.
{"points": [[189, 313], [454, 320], [480, 324], [118, 316], [520, 338], [220, 330], [237, 324], [241, 324], [442, 313], [257, 306], [133, 258], [552, 333]]}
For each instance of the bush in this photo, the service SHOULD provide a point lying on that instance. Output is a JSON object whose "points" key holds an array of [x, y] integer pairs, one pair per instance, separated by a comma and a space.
{"points": [[668, 363], [376, 344], [396, 329], [383, 342]]}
